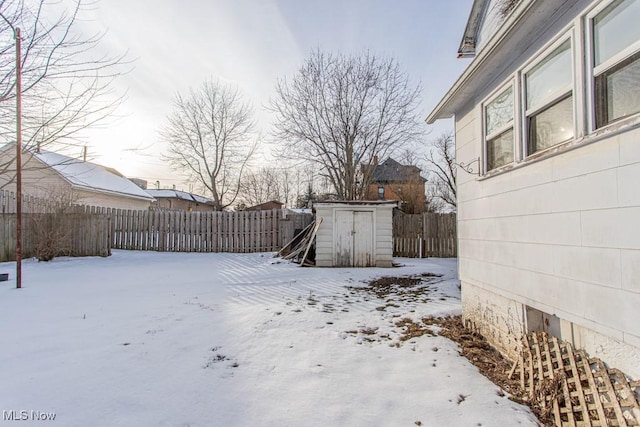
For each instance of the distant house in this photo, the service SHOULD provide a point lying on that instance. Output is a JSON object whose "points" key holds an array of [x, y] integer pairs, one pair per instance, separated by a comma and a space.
{"points": [[181, 200], [266, 206], [50, 175], [548, 113], [394, 181]]}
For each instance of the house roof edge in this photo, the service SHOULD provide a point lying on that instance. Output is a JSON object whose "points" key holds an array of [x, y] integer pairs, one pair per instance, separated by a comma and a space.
{"points": [[450, 101]]}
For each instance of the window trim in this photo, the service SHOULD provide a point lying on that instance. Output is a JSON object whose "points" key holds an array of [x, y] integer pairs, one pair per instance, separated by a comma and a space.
{"points": [[490, 100], [529, 118], [591, 71], [553, 98], [619, 57], [580, 30], [510, 83]]}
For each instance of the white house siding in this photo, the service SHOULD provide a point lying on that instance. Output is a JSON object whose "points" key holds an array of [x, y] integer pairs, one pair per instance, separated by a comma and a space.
{"points": [[562, 236]]}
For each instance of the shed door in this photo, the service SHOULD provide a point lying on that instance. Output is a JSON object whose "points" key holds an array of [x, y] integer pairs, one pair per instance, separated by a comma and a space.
{"points": [[354, 239], [363, 239]]}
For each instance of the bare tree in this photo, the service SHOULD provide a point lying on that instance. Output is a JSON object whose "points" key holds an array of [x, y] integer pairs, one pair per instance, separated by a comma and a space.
{"points": [[442, 162], [66, 79], [53, 224], [414, 200], [284, 183], [432, 201], [209, 136], [339, 112], [261, 186]]}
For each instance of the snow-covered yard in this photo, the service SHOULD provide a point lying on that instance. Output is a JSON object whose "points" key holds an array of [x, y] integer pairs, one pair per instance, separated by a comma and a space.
{"points": [[167, 339]]}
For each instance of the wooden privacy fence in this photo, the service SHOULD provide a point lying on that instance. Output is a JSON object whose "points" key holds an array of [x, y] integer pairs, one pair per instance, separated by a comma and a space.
{"points": [[424, 235], [421, 235], [183, 231], [30, 204], [175, 231], [68, 234]]}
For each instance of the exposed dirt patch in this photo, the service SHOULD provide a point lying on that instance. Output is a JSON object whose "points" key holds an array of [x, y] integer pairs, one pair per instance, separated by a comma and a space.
{"points": [[389, 282], [393, 294], [490, 362], [479, 352], [412, 329], [399, 289]]}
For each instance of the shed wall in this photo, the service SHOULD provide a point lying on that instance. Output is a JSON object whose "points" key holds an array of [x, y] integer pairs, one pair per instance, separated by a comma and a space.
{"points": [[383, 244]]}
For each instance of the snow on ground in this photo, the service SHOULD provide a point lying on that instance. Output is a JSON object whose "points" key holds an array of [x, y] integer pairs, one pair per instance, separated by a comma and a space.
{"points": [[174, 339]]}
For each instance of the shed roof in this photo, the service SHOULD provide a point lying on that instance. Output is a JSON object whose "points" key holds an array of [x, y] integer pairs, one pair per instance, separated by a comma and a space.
{"points": [[391, 203]]}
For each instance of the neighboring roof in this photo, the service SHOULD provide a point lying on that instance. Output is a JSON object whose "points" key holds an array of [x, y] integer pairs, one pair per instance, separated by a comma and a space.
{"points": [[392, 171], [516, 38], [269, 203], [91, 176], [182, 195], [299, 210]]}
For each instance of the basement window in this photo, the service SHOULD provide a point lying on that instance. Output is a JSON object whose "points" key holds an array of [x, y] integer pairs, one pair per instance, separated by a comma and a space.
{"points": [[616, 61]]}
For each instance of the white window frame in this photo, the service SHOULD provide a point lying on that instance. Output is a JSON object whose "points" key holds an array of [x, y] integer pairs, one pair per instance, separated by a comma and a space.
{"points": [[555, 97], [592, 71], [580, 32], [511, 83]]}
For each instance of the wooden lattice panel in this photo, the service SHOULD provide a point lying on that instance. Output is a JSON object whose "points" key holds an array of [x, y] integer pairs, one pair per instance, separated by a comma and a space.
{"points": [[576, 391]]}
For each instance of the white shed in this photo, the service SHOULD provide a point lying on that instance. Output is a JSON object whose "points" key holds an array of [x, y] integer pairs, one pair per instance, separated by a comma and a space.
{"points": [[354, 233]]}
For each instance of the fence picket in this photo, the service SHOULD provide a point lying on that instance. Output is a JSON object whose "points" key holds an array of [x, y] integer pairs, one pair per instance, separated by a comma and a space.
{"points": [[435, 232]]}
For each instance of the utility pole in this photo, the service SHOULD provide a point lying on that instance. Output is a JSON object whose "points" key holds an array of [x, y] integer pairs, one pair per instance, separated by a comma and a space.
{"points": [[18, 159], [16, 35]]}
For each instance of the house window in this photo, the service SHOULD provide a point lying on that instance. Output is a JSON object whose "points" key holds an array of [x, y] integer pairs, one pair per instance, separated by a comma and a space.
{"points": [[616, 61], [498, 115], [549, 100], [380, 192]]}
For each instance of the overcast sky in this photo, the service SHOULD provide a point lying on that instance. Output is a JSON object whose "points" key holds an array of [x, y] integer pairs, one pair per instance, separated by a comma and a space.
{"points": [[178, 44]]}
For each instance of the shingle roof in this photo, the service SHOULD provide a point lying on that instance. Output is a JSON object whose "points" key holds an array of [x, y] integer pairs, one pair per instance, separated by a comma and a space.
{"points": [[392, 171]]}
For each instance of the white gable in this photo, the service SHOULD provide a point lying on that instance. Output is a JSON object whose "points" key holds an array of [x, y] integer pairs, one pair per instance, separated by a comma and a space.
{"points": [[493, 18]]}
